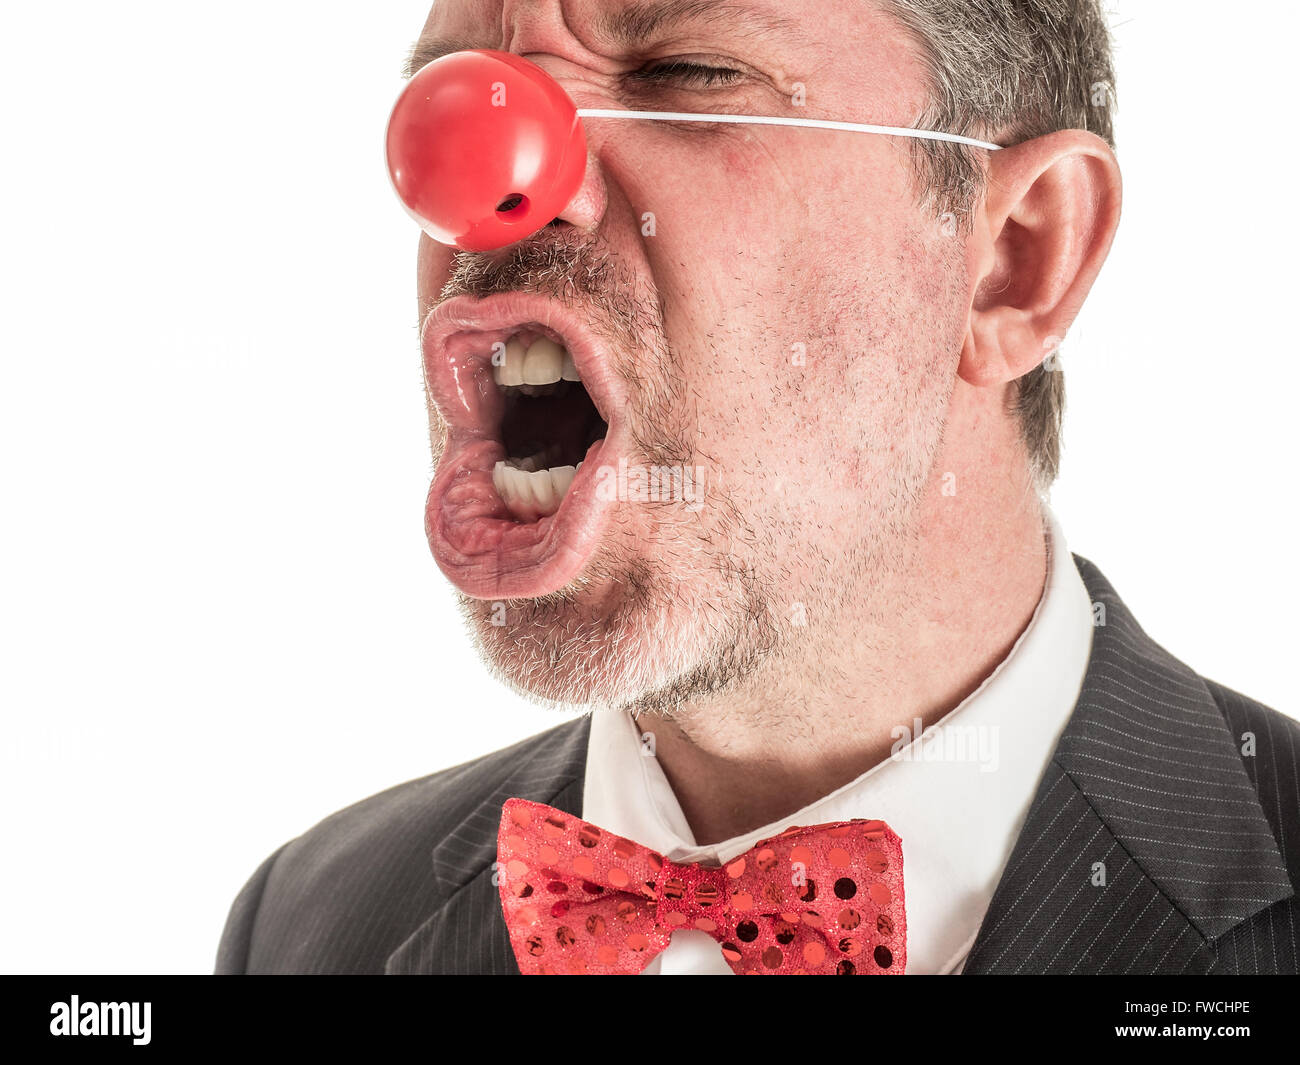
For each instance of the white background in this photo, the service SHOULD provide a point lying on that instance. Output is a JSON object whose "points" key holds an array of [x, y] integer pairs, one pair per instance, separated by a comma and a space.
{"points": [[220, 619]]}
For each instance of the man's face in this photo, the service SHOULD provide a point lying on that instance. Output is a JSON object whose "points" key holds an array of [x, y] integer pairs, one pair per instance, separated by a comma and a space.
{"points": [[765, 311]]}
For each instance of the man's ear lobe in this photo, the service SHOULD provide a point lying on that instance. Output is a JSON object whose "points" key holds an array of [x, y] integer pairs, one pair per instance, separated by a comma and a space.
{"points": [[1048, 219]]}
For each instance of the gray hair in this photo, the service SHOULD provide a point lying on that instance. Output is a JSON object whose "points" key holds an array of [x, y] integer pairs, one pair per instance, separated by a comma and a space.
{"points": [[1009, 70]]}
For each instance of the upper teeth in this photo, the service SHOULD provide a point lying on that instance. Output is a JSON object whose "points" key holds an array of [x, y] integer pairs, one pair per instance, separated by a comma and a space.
{"points": [[544, 362]]}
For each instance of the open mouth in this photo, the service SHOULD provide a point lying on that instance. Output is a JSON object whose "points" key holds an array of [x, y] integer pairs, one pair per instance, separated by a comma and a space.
{"points": [[548, 423], [526, 389]]}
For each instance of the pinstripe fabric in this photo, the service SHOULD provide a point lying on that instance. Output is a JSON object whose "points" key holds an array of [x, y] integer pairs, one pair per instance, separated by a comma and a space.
{"points": [[401, 880], [1150, 781], [1268, 942], [1153, 844]]}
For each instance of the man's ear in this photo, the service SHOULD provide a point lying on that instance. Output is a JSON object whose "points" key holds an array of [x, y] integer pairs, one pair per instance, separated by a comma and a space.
{"points": [[1049, 216]]}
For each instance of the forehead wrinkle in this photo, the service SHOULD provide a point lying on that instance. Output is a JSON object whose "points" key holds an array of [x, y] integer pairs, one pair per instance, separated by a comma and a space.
{"points": [[639, 21], [631, 25]]}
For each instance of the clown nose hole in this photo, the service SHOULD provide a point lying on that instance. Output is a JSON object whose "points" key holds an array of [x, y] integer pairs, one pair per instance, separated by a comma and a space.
{"points": [[513, 207]]}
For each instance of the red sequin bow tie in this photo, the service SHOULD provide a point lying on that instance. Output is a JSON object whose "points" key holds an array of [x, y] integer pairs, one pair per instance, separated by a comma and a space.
{"points": [[826, 900]]}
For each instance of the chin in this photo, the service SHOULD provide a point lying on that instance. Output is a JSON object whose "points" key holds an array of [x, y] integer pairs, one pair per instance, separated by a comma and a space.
{"points": [[629, 643]]}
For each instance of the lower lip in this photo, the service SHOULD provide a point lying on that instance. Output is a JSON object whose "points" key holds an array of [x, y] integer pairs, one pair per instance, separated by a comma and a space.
{"points": [[487, 554]]}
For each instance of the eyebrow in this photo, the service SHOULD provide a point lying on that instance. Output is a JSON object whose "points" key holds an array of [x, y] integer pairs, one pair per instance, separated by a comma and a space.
{"points": [[632, 25], [428, 48]]}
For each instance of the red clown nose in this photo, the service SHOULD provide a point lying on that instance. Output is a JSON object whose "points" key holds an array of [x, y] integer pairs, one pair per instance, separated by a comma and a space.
{"points": [[485, 149]]}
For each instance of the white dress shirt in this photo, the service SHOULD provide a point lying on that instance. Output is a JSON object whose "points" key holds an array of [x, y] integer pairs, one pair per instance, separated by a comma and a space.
{"points": [[957, 795]]}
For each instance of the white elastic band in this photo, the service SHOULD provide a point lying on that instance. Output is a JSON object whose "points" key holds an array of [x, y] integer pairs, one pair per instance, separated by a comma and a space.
{"points": [[768, 120]]}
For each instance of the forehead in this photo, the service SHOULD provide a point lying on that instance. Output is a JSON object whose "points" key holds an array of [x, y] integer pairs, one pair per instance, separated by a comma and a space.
{"points": [[806, 29], [613, 21], [852, 49]]}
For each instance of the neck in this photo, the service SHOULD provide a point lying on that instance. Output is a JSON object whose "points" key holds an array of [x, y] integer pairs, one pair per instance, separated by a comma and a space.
{"points": [[821, 714]]}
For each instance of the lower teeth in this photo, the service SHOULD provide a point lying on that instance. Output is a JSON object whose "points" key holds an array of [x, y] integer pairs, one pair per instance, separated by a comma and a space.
{"points": [[530, 492]]}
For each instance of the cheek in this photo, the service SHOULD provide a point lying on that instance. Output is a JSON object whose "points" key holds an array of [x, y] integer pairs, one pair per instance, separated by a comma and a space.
{"points": [[791, 282], [760, 287]]}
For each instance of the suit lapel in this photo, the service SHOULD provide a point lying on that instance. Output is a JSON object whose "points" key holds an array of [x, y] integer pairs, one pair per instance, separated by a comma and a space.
{"points": [[1145, 841], [466, 933]]}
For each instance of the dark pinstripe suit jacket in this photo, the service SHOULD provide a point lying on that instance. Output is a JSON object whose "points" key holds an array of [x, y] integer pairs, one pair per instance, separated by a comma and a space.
{"points": [[1187, 792]]}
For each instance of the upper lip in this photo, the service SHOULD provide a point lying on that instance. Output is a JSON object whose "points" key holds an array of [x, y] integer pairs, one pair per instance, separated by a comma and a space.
{"points": [[476, 318]]}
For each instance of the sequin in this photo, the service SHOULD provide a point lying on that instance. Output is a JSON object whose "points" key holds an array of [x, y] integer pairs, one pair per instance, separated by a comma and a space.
{"points": [[845, 888], [884, 956]]}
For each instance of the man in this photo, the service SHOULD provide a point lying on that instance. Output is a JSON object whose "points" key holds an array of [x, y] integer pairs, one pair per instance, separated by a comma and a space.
{"points": [[811, 380]]}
